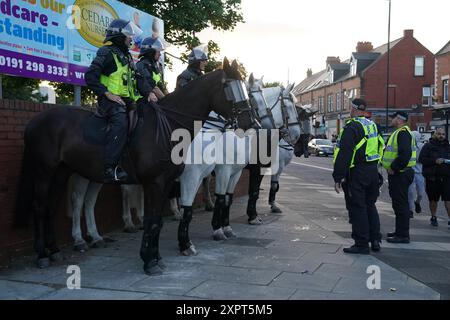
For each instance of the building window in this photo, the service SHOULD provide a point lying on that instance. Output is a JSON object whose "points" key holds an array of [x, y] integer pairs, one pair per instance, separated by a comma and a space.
{"points": [[353, 67], [419, 66], [338, 101], [445, 91], [427, 96], [321, 105], [330, 103], [345, 101]]}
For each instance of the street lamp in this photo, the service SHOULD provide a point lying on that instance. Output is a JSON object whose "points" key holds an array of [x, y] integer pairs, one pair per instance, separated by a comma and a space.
{"points": [[388, 68]]}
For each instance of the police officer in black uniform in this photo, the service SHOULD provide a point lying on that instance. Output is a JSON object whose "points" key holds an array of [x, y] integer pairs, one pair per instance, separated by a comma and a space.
{"points": [[112, 77], [357, 154], [197, 60], [150, 79]]}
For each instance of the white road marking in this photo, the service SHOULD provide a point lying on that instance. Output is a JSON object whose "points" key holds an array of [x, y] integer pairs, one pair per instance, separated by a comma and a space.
{"points": [[309, 165]]}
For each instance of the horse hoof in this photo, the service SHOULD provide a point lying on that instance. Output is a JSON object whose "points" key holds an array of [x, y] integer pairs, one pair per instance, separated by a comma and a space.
{"points": [[56, 257], [108, 239], [191, 251], [43, 263], [218, 235], [229, 233], [162, 265], [130, 230], [81, 247], [153, 269], [256, 222], [275, 209], [98, 244]]}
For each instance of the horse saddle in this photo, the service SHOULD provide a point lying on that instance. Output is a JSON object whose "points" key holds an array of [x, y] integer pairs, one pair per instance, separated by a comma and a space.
{"points": [[96, 128]]}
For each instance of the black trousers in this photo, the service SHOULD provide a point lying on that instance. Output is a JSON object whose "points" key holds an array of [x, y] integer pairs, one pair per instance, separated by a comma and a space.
{"points": [[398, 190], [361, 191], [116, 115]]}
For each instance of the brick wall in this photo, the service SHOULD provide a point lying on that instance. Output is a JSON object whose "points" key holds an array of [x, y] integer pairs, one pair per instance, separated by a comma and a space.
{"points": [[442, 69], [14, 115]]}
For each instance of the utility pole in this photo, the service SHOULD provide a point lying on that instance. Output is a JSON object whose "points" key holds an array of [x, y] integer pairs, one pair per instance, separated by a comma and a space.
{"points": [[388, 68]]}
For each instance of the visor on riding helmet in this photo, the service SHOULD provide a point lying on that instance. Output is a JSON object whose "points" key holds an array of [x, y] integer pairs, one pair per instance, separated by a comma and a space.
{"points": [[198, 54], [150, 44], [120, 28]]}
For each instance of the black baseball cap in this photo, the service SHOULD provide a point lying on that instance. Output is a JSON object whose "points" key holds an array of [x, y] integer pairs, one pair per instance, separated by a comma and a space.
{"points": [[401, 114], [359, 104]]}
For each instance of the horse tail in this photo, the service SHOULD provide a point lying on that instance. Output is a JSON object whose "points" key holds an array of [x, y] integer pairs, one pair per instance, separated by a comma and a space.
{"points": [[25, 192]]}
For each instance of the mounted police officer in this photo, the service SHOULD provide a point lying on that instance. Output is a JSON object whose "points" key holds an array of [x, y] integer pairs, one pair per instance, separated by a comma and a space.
{"points": [[197, 60], [399, 159], [150, 79], [358, 151], [112, 77]]}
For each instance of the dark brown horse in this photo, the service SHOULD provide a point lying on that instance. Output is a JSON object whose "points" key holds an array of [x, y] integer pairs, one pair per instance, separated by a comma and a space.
{"points": [[55, 148]]}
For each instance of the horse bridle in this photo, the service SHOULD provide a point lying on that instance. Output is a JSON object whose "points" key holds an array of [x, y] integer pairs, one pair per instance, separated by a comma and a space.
{"points": [[269, 113], [284, 112], [236, 93]]}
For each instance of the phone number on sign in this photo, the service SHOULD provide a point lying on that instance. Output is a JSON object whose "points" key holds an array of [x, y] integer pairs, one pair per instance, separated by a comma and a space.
{"points": [[32, 66]]}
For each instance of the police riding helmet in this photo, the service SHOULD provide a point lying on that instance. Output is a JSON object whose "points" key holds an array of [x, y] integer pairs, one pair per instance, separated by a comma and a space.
{"points": [[196, 55], [150, 46], [120, 28]]}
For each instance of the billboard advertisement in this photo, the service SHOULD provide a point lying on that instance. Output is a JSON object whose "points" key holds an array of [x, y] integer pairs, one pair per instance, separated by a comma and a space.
{"points": [[57, 40]]}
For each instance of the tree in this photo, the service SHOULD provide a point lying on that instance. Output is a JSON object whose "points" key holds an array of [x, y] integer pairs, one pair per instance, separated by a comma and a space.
{"points": [[272, 84], [18, 88], [65, 94], [182, 20]]}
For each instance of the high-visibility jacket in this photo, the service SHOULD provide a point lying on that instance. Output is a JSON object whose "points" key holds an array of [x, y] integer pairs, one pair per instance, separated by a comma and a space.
{"points": [[122, 82], [373, 141], [391, 152]]}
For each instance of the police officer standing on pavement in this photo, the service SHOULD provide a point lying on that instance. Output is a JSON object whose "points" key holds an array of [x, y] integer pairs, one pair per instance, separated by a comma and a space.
{"points": [[358, 151], [197, 60], [399, 158], [150, 73], [112, 77]]}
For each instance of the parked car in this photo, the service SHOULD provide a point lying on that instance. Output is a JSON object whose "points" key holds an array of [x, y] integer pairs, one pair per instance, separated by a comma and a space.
{"points": [[321, 147]]}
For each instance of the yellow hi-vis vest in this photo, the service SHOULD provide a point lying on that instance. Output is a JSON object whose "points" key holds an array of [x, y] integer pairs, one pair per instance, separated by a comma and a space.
{"points": [[156, 77], [391, 152], [122, 82], [374, 142]]}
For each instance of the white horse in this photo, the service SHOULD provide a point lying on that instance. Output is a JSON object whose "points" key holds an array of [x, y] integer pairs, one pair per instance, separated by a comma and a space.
{"points": [[84, 192], [286, 153], [280, 107]]}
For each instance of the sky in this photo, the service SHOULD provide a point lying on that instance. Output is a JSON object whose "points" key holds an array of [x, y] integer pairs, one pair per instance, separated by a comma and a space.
{"points": [[281, 39]]}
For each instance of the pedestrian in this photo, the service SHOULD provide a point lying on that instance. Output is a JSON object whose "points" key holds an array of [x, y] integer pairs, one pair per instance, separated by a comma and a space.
{"points": [[435, 157], [357, 155], [418, 185], [399, 158]]}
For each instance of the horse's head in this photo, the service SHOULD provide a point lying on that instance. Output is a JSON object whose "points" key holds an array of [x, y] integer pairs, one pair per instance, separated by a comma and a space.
{"points": [[290, 115], [305, 114], [231, 101]]}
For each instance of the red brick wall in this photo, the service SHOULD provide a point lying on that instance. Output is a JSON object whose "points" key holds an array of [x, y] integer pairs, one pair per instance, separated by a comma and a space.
{"points": [[408, 89], [442, 69], [14, 115]]}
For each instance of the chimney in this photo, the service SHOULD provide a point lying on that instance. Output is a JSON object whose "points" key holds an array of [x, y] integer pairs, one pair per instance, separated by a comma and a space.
{"points": [[309, 73], [333, 60], [408, 33], [364, 47]]}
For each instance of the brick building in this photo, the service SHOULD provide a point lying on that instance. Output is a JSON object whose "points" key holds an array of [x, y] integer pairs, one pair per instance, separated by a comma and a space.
{"points": [[441, 106], [364, 75]]}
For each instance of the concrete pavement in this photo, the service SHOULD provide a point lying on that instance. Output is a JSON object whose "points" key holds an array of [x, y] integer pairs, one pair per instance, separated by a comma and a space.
{"points": [[293, 255]]}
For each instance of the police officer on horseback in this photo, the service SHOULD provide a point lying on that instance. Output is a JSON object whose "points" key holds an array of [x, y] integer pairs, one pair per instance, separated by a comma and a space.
{"points": [[112, 77], [358, 151], [150, 80], [197, 60]]}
